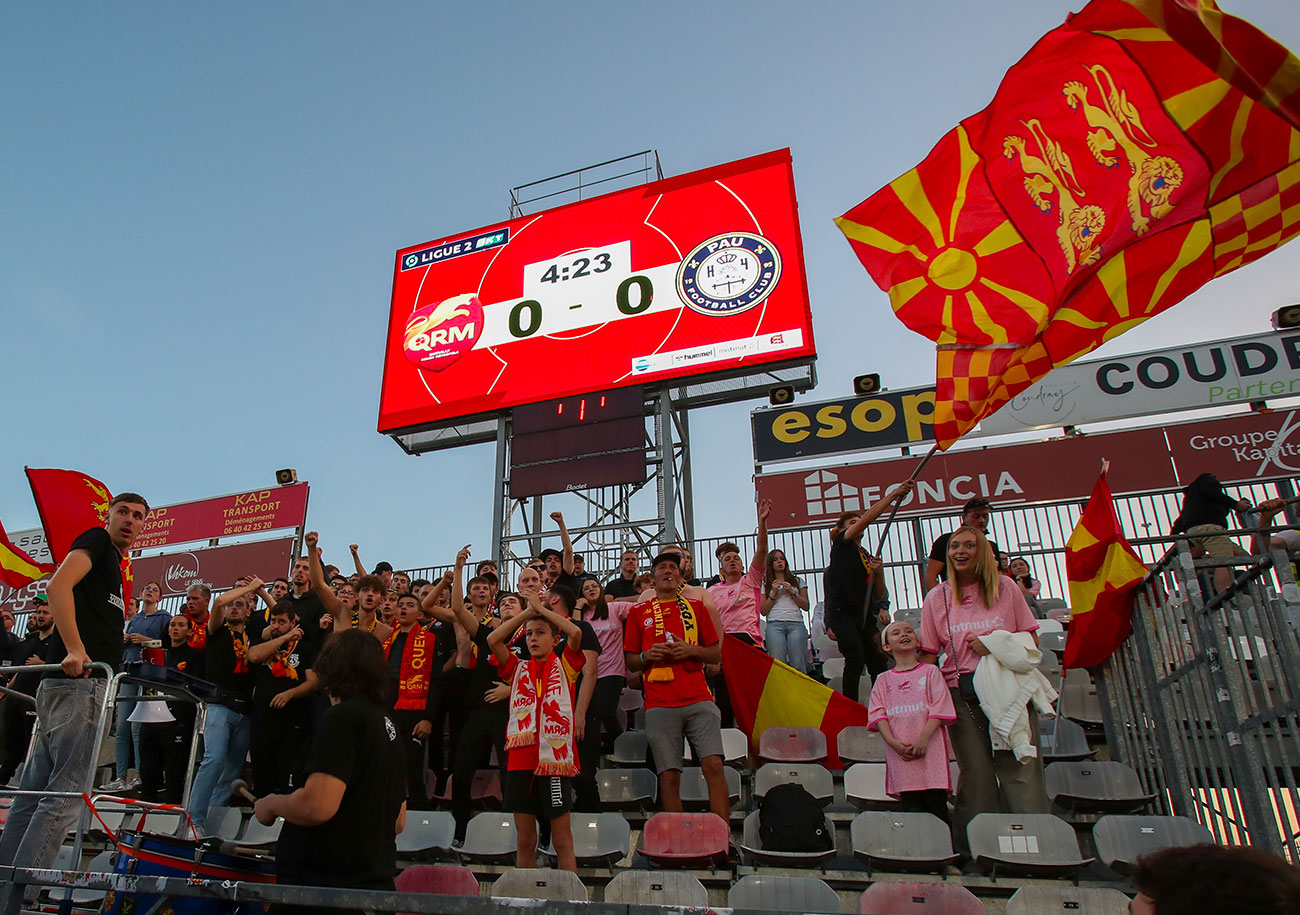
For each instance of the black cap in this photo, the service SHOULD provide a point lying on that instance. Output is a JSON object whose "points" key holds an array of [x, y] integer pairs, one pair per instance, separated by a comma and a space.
{"points": [[549, 552], [977, 502], [674, 558], [382, 567]]}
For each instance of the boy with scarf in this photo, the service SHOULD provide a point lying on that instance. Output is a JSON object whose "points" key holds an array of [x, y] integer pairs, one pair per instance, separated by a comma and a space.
{"points": [[412, 682], [540, 733]]}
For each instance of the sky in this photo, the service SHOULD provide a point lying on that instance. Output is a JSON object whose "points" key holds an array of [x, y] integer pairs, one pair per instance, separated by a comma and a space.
{"points": [[200, 205]]}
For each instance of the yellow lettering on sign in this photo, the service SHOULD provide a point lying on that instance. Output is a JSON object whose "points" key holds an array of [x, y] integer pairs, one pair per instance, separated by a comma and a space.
{"points": [[790, 427], [832, 426], [884, 411], [918, 409]]}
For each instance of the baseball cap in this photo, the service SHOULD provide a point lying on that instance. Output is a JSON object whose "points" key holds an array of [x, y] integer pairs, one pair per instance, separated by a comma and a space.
{"points": [[549, 552], [382, 567], [41, 598], [977, 502], [671, 556]]}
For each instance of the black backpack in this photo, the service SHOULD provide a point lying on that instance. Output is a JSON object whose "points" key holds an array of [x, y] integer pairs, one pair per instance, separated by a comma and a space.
{"points": [[791, 819]]}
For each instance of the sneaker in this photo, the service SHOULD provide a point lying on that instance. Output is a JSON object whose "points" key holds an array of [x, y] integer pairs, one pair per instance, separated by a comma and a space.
{"points": [[133, 782], [113, 787]]}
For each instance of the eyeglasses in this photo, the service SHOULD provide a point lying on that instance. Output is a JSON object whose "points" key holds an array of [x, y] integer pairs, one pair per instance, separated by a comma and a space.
{"points": [[538, 568]]}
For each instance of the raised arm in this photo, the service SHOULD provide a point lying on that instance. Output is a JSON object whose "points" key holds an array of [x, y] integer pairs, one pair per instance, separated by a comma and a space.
{"points": [[328, 598], [855, 529], [263, 650], [251, 587], [431, 604], [498, 637], [565, 541], [356, 559], [760, 548], [466, 619], [567, 626]]}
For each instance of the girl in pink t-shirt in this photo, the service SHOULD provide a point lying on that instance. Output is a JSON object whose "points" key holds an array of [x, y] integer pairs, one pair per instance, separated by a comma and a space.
{"points": [[911, 707], [607, 618]]}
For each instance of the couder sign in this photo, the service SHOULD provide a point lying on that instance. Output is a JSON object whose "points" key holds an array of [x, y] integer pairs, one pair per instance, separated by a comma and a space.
{"points": [[1224, 372]]}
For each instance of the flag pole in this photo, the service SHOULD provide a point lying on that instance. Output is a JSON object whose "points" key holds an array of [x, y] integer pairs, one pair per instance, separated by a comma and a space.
{"points": [[893, 509]]}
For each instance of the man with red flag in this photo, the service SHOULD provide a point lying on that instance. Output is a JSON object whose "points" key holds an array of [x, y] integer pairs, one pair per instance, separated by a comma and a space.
{"points": [[88, 595]]}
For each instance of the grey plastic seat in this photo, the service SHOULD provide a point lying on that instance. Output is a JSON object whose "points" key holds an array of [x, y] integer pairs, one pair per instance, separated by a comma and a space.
{"points": [[540, 883], [860, 744], [1068, 900], [1095, 787], [836, 684], [600, 838], [1052, 641], [1028, 844], [752, 844], [490, 838], [919, 899], [798, 745], [864, 787], [671, 888], [815, 779], [627, 789], [1049, 625], [895, 840], [695, 790], [1051, 603], [1121, 840], [735, 747], [113, 819], [226, 822], [1079, 701], [426, 830], [256, 834], [807, 895], [629, 749], [1062, 739], [833, 667]]}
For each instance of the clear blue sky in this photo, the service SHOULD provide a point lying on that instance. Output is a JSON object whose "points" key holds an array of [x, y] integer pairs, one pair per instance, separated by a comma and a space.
{"points": [[200, 205]]}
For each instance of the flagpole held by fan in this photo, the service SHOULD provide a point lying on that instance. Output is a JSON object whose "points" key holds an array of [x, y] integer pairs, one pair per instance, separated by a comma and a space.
{"points": [[893, 509]]}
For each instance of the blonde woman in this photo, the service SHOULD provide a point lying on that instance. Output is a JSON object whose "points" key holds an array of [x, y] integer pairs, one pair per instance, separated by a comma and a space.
{"points": [[974, 601]]}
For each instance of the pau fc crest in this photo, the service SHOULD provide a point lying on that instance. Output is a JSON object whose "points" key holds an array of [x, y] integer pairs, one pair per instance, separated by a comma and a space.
{"points": [[728, 274]]}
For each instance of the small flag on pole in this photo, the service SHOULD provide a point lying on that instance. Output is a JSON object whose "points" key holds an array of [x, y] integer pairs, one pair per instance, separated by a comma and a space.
{"points": [[17, 568]]}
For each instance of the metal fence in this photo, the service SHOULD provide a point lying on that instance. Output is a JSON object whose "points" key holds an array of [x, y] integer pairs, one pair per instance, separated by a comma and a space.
{"points": [[1204, 699]]}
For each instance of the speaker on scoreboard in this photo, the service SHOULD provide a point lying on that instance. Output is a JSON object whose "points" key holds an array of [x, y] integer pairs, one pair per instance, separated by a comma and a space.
{"points": [[1286, 317], [866, 384], [780, 395], [286, 476]]}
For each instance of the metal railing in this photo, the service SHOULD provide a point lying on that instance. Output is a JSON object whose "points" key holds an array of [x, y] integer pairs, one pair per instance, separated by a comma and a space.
{"points": [[1203, 700]]}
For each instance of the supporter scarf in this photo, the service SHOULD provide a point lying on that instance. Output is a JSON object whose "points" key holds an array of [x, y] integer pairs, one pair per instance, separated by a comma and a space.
{"points": [[662, 673], [356, 622], [239, 641], [413, 676], [280, 662], [198, 633], [543, 704]]}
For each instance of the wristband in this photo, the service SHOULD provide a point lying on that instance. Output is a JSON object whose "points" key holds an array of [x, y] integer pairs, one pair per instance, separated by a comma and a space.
{"points": [[642, 657]]}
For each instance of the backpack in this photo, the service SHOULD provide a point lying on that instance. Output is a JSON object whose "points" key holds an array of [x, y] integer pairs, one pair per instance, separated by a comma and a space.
{"points": [[791, 819]]}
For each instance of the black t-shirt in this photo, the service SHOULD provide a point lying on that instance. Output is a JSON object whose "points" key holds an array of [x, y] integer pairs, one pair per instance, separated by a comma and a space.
{"points": [[186, 659], [310, 609], [845, 578], [621, 587], [445, 645], [32, 645], [100, 609], [939, 552], [267, 684], [356, 743], [486, 673], [220, 661]]}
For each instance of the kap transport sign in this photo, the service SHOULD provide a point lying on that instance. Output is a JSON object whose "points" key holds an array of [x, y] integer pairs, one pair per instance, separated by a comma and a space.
{"points": [[1224, 372], [693, 275]]}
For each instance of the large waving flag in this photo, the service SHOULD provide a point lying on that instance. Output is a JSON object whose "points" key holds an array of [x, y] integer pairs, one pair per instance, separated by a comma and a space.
{"points": [[766, 693], [17, 568], [1134, 154], [1104, 573], [70, 503]]}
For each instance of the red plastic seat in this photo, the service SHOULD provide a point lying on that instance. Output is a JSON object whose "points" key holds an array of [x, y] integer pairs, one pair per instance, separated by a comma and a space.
{"points": [[919, 899], [795, 745], [686, 839], [438, 880]]}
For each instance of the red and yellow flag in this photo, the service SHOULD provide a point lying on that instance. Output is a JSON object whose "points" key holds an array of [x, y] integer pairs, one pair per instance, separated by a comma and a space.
{"points": [[1134, 154], [70, 503], [17, 568], [766, 694], [1104, 573]]}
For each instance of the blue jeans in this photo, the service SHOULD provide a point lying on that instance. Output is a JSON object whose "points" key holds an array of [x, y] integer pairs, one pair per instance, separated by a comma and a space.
{"points": [[787, 640], [225, 747], [67, 714], [128, 732]]}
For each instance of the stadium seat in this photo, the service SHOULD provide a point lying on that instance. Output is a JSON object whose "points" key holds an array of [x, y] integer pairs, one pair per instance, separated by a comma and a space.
{"points": [[796, 745], [256, 834], [1062, 739], [1121, 840], [1029, 844], [815, 779], [112, 819], [860, 744], [833, 667], [226, 822], [484, 791], [438, 880], [627, 789], [695, 790], [1051, 641], [540, 883], [102, 863], [1093, 786], [1061, 614], [1051, 603], [426, 830], [735, 747], [1050, 667], [864, 787], [919, 899], [895, 840], [600, 838], [629, 749], [1049, 625], [1068, 900], [835, 684], [636, 887], [630, 700], [490, 838], [686, 840], [806, 895], [1079, 698], [752, 844]]}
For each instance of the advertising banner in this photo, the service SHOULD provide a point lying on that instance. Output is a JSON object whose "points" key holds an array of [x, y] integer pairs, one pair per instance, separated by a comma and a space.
{"points": [[218, 566], [225, 516], [1238, 449], [693, 275]]}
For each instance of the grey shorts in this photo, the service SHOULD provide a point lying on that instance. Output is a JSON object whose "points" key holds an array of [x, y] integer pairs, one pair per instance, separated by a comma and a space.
{"points": [[700, 723]]}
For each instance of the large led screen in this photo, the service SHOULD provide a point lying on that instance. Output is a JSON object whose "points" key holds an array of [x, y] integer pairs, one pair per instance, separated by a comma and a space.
{"points": [[689, 276]]}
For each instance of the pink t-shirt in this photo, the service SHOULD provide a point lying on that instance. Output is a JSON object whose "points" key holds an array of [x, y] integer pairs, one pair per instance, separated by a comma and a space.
{"points": [[738, 604], [1009, 612], [610, 633], [907, 699]]}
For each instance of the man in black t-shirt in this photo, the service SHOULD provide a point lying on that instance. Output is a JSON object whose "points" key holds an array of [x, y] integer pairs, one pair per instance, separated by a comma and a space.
{"points": [[624, 583], [20, 716], [283, 684], [975, 513], [305, 594], [88, 595]]}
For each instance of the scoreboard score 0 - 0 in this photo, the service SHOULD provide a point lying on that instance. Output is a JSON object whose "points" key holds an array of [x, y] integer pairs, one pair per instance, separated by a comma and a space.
{"points": [[693, 275]]}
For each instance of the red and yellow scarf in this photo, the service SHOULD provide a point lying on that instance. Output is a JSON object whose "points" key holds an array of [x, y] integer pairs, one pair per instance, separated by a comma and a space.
{"points": [[542, 702], [279, 664], [239, 641], [662, 673], [198, 632], [356, 622], [417, 663]]}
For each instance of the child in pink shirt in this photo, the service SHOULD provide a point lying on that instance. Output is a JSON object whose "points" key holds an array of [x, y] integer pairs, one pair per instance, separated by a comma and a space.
{"points": [[910, 707]]}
